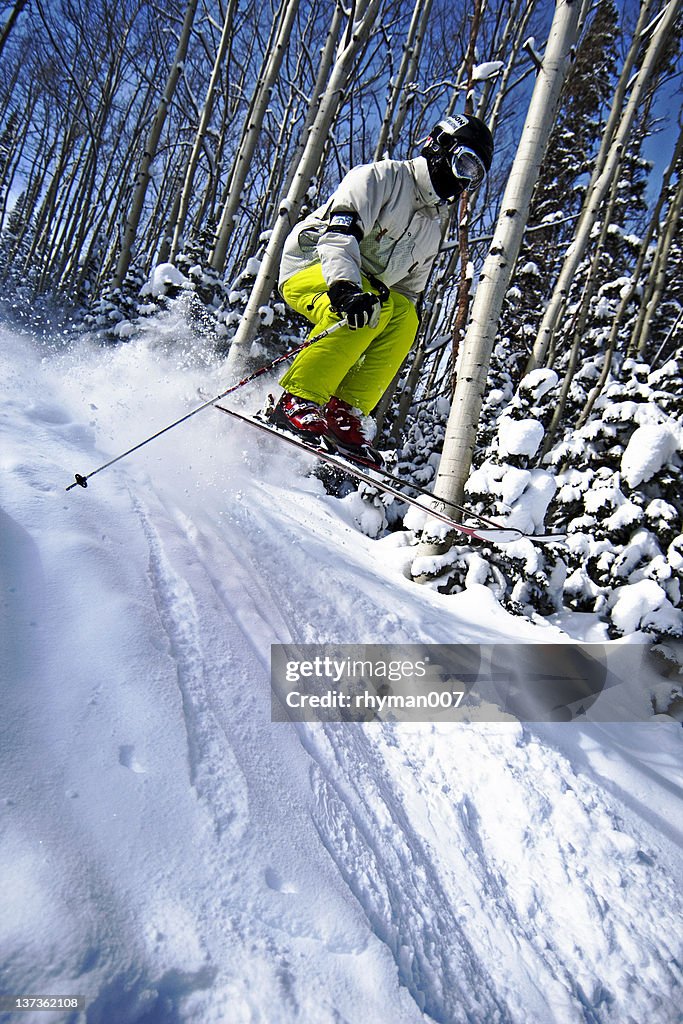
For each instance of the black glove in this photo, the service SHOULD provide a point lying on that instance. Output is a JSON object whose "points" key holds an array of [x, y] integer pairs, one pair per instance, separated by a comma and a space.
{"points": [[360, 308]]}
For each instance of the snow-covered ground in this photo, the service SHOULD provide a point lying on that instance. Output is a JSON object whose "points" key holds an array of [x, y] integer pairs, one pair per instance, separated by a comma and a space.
{"points": [[172, 855]]}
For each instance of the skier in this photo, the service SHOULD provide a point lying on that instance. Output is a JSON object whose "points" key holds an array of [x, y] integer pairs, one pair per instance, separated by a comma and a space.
{"points": [[366, 256]]}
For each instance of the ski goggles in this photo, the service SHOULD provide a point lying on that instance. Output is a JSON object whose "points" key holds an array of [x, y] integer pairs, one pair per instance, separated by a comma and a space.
{"points": [[466, 165]]}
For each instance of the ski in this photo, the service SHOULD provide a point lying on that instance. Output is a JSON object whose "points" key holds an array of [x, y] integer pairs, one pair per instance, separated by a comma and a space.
{"points": [[399, 481], [484, 521], [390, 484]]}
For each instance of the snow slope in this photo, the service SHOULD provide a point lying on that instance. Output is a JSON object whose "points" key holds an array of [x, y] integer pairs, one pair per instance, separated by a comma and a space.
{"points": [[172, 855]]}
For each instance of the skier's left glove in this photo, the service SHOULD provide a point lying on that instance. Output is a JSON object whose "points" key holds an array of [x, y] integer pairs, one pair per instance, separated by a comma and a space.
{"points": [[361, 309]]}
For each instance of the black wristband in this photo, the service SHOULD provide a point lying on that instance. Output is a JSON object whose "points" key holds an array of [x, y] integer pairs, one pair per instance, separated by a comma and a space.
{"points": [[338, 291], [345, 222]]}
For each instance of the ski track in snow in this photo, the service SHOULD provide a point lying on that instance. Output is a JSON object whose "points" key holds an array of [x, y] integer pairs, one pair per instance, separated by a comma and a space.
{"points": [[212, 768], [533, 881], [169, 852]]}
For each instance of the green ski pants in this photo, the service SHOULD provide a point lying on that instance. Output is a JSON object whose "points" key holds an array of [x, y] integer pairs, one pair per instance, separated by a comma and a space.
{"points": [[356, 366]]}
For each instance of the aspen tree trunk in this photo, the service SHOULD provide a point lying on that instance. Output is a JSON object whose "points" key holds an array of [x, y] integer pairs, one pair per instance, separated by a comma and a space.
{"points": [[266, 203], [577, 327], [44, 218], [164, 251], [11, 21], [73, 225], [118, 190], [657, 276], [151, 145], [35, 183], [580, 316], [358, 34], [76, 225], [630, 291], [408, 392], [625, 79], [200, 134], [397, 105], [234, 91], [465, 284], [327, 58], [15, 138], [111, 182], [70, 191], [516, 31], [8, 100], [510, 36], [250, 134], [269, 207], [479, 339], [609, 168]]}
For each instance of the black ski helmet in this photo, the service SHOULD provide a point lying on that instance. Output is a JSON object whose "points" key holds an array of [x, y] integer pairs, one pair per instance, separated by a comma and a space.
{"points": [[449, 169]]}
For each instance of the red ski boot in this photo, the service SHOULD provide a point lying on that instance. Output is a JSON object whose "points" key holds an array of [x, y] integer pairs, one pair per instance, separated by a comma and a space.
{"points": [[301, 416], [346, 431]]}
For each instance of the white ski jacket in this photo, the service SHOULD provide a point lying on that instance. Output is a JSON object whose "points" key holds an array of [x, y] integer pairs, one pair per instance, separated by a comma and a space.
{"points": [[385, 219]]}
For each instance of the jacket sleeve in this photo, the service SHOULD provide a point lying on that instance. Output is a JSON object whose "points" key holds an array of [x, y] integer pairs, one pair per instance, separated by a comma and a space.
{"points": [[362, 194]]}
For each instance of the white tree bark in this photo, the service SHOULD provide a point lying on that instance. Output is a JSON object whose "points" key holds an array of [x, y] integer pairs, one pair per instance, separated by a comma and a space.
{"points": [[365, 15], [625, 79], [629, 292], [251, 132], [512, 39], [608, 165], [11, 20], [480, 336], [151, 146], [397, 105], [202, 127], [327, 57], [654, 287]]}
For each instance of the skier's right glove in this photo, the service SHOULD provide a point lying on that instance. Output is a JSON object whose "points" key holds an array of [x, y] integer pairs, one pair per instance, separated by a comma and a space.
{"points": [[361, 309]]}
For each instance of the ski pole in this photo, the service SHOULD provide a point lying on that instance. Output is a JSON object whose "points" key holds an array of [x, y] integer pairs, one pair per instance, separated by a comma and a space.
{"points": [[82, 481]]}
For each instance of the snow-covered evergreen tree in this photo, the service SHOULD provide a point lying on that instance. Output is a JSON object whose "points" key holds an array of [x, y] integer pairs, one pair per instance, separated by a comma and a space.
{"points": [[620, 480]]}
